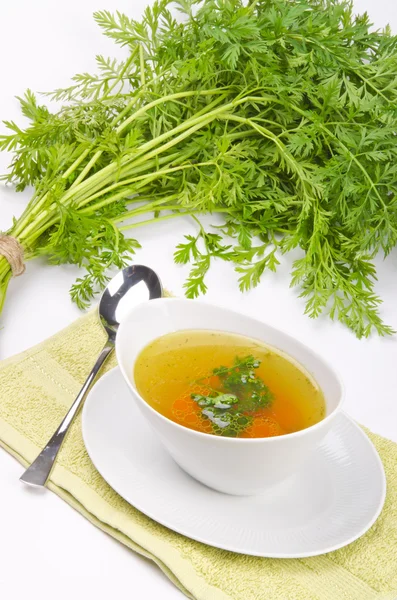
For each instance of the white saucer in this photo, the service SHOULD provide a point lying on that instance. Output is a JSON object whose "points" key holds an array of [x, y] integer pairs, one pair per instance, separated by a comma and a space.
{"points": [[334, 500]]}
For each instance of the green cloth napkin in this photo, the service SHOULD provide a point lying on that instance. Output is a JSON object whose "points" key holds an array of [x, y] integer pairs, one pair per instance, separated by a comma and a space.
{"points": [[39, 385]]}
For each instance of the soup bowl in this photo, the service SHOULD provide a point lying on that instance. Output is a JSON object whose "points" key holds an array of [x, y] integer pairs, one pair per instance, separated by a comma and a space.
{"points": [[238, 466]]}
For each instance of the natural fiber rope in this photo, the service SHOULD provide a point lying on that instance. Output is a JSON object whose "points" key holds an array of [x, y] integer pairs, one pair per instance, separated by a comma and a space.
{"points": [[12, 251]]}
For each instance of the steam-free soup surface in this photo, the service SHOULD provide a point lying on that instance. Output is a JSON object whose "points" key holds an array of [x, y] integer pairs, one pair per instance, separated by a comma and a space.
{"points": [[226, 384]]}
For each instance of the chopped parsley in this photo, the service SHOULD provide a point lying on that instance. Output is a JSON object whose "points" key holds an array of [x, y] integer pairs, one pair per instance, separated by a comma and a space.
{"points": [[241, 393]]}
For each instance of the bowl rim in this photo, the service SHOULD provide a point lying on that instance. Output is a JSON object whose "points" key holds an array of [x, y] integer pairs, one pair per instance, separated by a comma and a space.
{"points": [[225, 439]]}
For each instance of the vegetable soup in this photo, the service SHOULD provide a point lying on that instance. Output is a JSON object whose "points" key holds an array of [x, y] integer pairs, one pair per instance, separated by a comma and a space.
{"points": [[227, 384]]}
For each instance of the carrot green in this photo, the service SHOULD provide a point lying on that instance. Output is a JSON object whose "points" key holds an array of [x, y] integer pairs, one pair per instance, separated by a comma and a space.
{"points": [[239, 395], [280, 116]]}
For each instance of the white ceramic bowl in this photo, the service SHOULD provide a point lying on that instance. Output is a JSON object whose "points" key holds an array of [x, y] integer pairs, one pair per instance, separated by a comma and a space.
{"points": [[230, 465]]}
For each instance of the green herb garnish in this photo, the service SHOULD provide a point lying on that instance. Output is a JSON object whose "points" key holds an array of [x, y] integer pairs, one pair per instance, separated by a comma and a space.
{"points": [[240, 395], [241, 380]]}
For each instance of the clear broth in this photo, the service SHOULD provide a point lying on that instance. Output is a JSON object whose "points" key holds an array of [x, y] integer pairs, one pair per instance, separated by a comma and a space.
{"points": [[174, 374]]}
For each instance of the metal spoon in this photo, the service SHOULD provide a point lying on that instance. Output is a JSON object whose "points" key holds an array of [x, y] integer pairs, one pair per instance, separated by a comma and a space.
{"points": [[130, 286]]}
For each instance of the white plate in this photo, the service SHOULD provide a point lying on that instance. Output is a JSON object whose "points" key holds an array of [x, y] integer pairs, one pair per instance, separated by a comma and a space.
{"points": [[330, 503]]}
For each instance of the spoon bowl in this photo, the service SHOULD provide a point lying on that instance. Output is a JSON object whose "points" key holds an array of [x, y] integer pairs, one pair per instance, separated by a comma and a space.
{"points": [[130, 287]]}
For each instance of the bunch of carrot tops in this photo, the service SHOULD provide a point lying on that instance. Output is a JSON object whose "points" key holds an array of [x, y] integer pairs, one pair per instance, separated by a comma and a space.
{"points": [[279, 115]]}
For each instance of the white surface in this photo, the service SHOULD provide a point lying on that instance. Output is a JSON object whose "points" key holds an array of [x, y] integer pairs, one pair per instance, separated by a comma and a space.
{"points": [[330, 501], [42, 44], [229, 465]]}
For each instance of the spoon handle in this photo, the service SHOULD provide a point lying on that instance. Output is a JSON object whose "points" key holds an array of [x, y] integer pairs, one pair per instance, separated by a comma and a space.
{"points": [[39, 471]]}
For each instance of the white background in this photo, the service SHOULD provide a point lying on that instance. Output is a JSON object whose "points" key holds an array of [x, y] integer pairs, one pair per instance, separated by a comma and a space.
{"points": [[46, 549]]}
